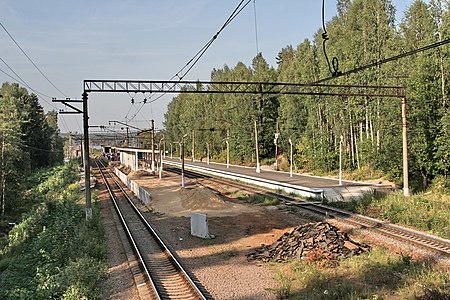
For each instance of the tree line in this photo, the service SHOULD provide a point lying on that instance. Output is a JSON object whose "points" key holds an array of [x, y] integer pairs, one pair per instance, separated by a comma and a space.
{"points": [[362, 32], [29, 140]]}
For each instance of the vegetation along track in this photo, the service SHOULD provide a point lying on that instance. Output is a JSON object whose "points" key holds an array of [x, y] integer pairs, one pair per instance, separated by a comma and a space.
{"points": [[409, 236], [164, 275]]}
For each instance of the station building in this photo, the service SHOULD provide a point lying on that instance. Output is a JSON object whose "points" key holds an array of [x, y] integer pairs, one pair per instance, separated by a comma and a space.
{"points": [[134, 158]]}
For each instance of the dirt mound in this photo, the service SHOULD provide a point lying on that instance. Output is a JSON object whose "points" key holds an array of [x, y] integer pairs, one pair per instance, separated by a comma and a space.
{"points": [[123, 169], [382, 181], [313, 241], [139, 173], [201, 198]]}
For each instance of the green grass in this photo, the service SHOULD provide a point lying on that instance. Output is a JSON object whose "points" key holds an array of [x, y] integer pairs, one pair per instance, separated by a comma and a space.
{"points": [[428, 210], [258, 199], [374, 275], [53, 253]]}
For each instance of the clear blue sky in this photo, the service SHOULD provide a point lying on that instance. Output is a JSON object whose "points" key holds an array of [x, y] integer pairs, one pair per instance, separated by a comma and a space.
{"points": [[150, 40]]}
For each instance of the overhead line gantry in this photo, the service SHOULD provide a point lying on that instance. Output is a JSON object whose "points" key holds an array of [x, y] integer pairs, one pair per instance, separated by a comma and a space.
{"points": [[221, 87], [214, 87]]}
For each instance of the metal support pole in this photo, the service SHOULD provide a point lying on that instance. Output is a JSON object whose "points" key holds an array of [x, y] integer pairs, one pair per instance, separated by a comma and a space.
{"points": [[277, 134], [228, 148], [171, 152], [193, 146], [160, 158], [228, 154], [87, 171], [405, 150], [290, 167], [137, 160], [182, 164], [340, 160], [258, 167], [152, 140], [182, 160], [207, 153], [82, 152]]}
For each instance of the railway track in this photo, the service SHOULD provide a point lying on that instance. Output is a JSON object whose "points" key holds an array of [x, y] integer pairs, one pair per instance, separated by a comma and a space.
{"points": [[409, 236], [164, 276]]}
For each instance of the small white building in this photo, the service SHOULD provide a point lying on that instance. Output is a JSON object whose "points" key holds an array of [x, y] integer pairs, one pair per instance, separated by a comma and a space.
{"points": [[137, 159]]}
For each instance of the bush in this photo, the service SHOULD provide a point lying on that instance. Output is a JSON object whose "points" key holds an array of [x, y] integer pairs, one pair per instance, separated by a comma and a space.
{"points": [[54, 253]]}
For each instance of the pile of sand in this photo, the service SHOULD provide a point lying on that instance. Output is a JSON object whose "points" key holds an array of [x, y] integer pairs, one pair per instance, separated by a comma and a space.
{"points": [[139, 173], [201, 198]]}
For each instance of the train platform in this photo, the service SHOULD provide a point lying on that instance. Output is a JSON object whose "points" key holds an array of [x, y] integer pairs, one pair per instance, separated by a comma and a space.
{"points": [[302, 184]]}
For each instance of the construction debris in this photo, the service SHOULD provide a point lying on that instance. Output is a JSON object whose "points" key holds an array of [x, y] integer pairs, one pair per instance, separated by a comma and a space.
{"points": [[311, 241]]}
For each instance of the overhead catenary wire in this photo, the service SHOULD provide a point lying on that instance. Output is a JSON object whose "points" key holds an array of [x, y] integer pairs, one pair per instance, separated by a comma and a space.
{"points": [[32, 62], [15, 79], [335, 62], [20, 80], [64, 123], [17, 142], [386, 60], [256, 27], [193, 61]]}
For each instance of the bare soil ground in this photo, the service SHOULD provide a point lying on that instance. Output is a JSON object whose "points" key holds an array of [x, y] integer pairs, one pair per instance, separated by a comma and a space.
{"points": [[219, 263]]}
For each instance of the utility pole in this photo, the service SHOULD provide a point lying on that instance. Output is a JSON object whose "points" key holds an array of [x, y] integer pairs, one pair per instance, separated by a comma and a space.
{"points": [[82, 152], [207, 153], [290, 167], [160, 158], [127, 144], [87, 167], [340, 160], [228, 148], [258, 167], [69, 152], [152, 141], [193, 145], [405, 150], [164, 148], [277, 134], [182, 159]]}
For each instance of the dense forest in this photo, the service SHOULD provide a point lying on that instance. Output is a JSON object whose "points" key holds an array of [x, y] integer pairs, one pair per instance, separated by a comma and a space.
{"points": [[363, 32], [29, 140]]}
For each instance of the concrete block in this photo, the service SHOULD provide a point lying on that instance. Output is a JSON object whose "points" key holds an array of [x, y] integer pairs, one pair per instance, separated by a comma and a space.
{"points": [[199, 225]]}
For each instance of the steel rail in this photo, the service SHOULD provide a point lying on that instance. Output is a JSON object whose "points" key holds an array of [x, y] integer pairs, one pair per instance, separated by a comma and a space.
{"points": [[128, 233], [384, 227], [197, 293], [396, 232]]}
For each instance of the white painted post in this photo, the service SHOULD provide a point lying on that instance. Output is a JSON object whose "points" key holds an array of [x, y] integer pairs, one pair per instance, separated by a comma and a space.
{"points": [[207, 153], [290, 168], [340, 160]]}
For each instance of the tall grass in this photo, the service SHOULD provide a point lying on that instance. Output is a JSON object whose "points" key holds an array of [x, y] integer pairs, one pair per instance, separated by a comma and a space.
{"points": [[374, 275], [428, 210], [264, 200]]}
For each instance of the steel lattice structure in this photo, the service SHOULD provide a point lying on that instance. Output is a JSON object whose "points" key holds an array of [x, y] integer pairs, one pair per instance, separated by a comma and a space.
{"points": [[255, 88], [266, 88]]}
